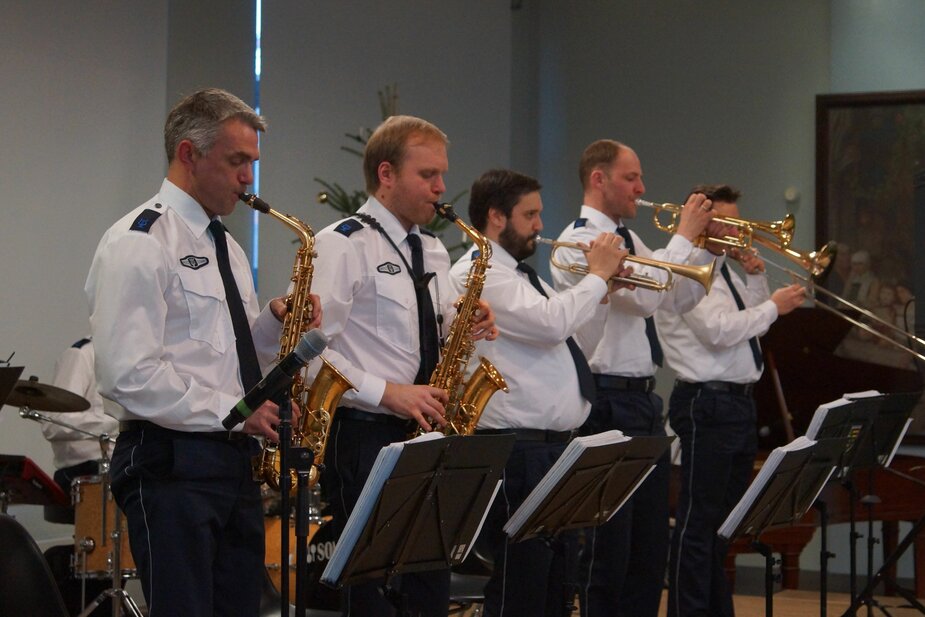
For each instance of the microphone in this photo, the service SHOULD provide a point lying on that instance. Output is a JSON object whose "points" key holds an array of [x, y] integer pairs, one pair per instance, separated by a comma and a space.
{"points": [[310, 345]]}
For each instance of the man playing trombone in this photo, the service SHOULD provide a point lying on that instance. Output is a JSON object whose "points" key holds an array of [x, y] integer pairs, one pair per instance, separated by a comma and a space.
{"points": [[714, 350], [623, 564]]}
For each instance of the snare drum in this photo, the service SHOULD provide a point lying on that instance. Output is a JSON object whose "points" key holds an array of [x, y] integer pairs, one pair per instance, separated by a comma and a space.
{"points": [[321, 543], [94, 529]]}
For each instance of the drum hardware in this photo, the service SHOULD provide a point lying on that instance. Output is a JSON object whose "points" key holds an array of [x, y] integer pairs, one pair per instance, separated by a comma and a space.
{"points": [[31, 395]]}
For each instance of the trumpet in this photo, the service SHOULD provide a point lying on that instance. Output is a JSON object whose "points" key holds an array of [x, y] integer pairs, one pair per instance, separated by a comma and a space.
{"points": [[699, 274], [780, 233]]}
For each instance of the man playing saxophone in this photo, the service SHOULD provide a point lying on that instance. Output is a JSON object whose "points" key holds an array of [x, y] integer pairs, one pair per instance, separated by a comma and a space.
{"points": [[387, 299], [714, 350], [179, 340], [623, 564], [547, 375]]}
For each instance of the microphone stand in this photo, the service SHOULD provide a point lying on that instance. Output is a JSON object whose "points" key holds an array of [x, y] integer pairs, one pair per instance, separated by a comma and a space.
{"points": [[298, 460], [284, 430]]}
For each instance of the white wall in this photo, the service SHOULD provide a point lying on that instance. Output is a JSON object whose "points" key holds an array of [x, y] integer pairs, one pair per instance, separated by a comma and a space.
{"points": [[322, 68], [81, 115]]}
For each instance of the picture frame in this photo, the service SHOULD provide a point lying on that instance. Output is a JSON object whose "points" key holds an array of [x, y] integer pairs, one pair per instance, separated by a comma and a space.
{"points": [[869, 147]]}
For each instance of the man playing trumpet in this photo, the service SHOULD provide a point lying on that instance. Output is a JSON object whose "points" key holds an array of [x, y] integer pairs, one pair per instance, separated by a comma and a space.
{"points": [[714, 349], [623, 564]]}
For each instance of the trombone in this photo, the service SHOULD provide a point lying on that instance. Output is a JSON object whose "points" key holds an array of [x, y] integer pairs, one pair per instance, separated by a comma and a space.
{"points": [[816, 263], [747, 231], [700, 274]]}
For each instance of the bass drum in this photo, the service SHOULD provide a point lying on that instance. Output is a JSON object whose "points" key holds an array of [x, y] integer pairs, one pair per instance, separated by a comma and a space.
{"points": [[321, 543]]}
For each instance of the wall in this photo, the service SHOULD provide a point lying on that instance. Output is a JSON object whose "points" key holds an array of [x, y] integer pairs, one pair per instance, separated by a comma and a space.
{"points": [[81, 111]]}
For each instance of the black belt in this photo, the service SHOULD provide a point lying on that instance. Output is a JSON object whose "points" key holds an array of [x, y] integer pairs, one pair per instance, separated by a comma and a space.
{"points": [[742, 389], [138, 425], [350, 413], [615, 382], [529, 434]]}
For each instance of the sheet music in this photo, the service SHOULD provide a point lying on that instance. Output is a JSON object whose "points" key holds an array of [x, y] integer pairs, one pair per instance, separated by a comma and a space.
{"points": [[559, 469], [382, 469], [755, 489], [819, 416]]}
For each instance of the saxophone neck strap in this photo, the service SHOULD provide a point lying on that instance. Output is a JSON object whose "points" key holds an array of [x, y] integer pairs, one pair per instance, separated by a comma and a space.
{"points": [[419, 282]]}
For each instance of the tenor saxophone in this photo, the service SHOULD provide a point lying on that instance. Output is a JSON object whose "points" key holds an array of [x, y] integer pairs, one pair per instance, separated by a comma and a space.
{"points": [[466, 403], [319, 401]]}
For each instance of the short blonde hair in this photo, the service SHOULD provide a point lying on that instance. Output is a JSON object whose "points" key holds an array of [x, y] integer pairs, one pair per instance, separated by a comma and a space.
{"points": [[601, 153], [389, 142]]}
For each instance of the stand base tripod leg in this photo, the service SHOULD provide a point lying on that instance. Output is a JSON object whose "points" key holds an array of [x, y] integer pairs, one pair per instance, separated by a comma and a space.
{"points": [[118, 595]]}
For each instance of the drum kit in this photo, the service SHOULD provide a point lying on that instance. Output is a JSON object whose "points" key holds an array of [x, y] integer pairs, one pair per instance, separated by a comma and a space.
{"points": [[101, 549]]}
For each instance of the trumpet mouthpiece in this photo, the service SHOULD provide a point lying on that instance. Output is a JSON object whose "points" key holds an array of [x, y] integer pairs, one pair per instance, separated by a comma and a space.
{"points": [[644, 203]]}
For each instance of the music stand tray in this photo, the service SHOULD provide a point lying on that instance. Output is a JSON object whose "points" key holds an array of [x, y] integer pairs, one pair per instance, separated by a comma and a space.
{"points": [[8, 377], [421, 508], [587, 485]]}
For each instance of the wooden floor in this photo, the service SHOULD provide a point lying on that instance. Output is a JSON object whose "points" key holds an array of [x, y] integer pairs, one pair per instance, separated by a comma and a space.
{"points": [[793, 603]]}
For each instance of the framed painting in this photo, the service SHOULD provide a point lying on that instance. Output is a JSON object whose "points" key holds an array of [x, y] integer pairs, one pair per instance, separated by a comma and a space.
{"points": [[869, 149]]}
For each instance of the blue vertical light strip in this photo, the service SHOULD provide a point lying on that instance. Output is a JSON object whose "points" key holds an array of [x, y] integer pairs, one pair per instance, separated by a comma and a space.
{"points": [[255, 216]]}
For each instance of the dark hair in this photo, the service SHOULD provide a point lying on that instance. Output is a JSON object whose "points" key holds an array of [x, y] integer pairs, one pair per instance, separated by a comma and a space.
{"points": [[389, 143], [199, 117], [718, 192], [500, 189], [601, 153]]}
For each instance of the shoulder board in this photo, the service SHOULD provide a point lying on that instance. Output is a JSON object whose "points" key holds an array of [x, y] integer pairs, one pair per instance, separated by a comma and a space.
{"points": [[579, 223], [427, 232], [144, 221], [80, 343], [348, 226], [475, 254]]}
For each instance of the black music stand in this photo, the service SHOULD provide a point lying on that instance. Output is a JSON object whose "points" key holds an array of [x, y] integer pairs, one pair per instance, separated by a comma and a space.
{"points": [[784, 489], [23, 482], [875, 444], [421, 514], [8, 377], [589, 490]]}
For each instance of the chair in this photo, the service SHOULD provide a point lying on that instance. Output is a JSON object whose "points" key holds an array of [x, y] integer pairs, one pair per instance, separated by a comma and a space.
{"points": [[27, 586]]}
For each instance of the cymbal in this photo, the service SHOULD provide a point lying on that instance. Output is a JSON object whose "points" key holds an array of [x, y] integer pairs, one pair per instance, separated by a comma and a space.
{"points": [[43, 397]]}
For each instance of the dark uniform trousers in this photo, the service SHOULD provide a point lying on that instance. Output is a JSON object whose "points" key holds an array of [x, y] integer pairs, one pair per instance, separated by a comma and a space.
{"points": [[195, 520], [353, 445], [718, 444], [622, 565], [536, 576]]}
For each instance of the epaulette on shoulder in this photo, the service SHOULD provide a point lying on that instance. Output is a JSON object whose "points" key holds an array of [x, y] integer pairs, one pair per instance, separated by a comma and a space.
{"points": [[348, 226], [475, 254], [579, 223], [144, 221], [80, 343], [427, 232]]}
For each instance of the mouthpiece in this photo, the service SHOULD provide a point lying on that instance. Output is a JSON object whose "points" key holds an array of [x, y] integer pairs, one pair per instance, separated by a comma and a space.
{"points": [[446, 211], [645, 204], [254, 202]]}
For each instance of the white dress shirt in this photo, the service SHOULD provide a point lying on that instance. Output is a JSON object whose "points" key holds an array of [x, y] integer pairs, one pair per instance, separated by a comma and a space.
{"points": [[165, 344], [74, 373], [370, 309], [530, 352], [618, 344], [710, 342]]}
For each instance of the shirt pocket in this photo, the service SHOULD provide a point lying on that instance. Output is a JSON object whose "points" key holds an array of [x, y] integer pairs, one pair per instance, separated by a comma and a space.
{"points": [[209, 320], [396, 314]]}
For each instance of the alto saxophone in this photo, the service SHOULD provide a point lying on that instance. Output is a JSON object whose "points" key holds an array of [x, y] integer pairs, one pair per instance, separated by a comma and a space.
{"points": [[318, 402], [466, 404]]}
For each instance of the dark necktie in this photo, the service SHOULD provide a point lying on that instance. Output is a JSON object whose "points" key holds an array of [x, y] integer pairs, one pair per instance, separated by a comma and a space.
{"points": [[655, 347], [244, 341], [585, 378], [427, 321], [752, 342]]}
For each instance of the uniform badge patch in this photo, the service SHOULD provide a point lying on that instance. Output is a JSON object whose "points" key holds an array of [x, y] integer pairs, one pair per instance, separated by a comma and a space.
{"points": [[144, 221], [389, 268], [194, 261]]}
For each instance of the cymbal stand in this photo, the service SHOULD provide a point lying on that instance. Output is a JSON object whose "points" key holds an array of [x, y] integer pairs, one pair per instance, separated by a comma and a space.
{"points": [[116, 592]]}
